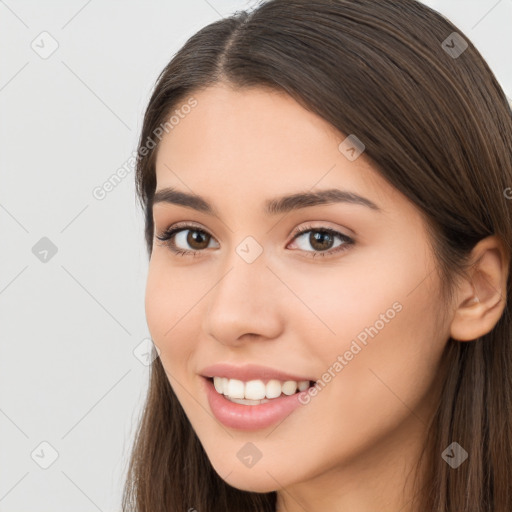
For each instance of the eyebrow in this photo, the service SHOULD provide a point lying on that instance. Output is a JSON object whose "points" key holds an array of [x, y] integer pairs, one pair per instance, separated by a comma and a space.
{"points": [[274, 206]]}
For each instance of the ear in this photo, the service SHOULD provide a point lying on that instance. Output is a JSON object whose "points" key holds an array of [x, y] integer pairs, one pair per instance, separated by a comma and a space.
{"points": [[481, 297]]}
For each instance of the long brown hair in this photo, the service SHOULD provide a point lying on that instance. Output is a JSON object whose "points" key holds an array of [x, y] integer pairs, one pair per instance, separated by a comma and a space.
{"points": [[438, 127]]}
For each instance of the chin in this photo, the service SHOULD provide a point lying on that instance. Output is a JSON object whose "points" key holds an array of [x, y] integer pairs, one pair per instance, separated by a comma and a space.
{"points": [[249, 481]]}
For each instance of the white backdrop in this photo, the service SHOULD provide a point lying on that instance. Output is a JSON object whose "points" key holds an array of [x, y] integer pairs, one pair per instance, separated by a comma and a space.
{"points": [[75, 77]]}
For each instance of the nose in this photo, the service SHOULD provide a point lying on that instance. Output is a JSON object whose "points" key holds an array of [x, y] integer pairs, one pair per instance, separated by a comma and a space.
{"points": [[245, 304]]}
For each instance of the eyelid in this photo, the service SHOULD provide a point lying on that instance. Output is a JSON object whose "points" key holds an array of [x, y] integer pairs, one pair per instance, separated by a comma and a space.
{"points": [[321, 225], [295, 231], [184, 225]]}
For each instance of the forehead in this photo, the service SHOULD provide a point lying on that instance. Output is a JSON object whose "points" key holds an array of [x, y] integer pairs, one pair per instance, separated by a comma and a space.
{"points": [[257, 142], [255, 119]]}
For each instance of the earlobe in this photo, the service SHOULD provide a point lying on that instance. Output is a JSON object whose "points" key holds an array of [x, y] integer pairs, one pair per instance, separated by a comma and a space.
{"points": [[482, 296]]}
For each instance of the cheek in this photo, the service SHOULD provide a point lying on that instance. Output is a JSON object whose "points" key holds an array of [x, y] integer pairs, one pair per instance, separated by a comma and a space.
{"points": [[388, 364], [173, 312], [374, 336], [336, 303], [390, 384], [164, 303], [157, 301]]}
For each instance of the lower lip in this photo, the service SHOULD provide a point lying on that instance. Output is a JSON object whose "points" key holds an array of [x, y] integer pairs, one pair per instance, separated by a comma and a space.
{"points": [[250, 417]]}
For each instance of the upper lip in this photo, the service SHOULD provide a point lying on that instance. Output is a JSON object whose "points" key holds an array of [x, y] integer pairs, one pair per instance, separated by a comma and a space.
{"points": [[249, 372]]}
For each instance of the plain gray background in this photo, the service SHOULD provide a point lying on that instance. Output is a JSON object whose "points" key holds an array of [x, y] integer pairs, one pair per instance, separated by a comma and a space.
{"points": [[71, 375]]}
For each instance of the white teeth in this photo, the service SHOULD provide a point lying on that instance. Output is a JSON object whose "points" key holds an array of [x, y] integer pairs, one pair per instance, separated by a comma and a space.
{"points": [[256, 390], [273, 389], [246, 402], [289, 387], [235, 388], [303, 385], [217, 382], [225, 385]]}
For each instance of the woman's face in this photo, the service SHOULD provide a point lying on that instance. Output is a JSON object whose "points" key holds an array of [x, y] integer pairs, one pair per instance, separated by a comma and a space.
{"points": [[363, 313]]}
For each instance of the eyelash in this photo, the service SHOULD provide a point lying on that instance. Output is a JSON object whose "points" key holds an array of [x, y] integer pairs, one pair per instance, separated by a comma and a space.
{"points": [[167, 235]]}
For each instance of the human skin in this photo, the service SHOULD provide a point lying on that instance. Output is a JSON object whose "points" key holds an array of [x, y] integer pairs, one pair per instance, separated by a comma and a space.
{"points": [[354, 444]]}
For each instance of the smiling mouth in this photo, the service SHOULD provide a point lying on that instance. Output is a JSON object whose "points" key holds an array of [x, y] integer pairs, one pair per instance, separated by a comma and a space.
{"points": [[256, 392]]}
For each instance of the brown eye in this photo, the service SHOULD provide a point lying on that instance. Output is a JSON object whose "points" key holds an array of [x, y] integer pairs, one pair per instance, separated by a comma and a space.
{"points": [[186, 239], [322, 240], [196, 239]]}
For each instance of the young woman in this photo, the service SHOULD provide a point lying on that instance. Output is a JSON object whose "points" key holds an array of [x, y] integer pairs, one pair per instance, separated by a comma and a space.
{"points": [[328, 204]]}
